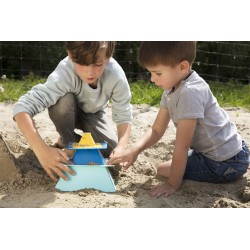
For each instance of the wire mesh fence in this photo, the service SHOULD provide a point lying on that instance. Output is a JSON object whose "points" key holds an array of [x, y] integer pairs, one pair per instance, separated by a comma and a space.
{"points": [[215, 61]]}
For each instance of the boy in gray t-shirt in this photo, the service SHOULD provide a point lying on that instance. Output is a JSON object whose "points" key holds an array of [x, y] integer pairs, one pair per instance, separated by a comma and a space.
{"points": [[217, 153], [76, 94]]}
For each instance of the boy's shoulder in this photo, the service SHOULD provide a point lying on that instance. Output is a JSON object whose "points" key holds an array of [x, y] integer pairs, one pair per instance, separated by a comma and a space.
{"points": [[66, 62], [195, 88], [64, 67], [113, 69], [195, 82], [113, 64]]}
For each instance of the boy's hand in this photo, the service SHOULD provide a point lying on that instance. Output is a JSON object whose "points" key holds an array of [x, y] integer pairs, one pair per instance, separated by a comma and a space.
{"points": [[164, 189], [127, 158], [53, 161], [117, 151]]}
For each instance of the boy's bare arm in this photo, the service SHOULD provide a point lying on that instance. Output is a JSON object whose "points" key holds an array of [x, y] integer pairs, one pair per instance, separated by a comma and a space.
{"points": [[53, 160], [124, 131], [152, 136], [184, 135], [155, 133]]}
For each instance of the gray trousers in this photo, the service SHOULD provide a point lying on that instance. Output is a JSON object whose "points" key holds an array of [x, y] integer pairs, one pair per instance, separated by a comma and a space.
{"points": [[67, 116]]}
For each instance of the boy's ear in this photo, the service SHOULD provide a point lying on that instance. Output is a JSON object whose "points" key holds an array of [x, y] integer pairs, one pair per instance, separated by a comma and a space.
{"points": [[184, 65], [69, 55]]}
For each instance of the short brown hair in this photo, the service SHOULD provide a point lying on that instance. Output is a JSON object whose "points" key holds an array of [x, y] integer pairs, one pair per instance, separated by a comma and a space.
{"points": [[166, 53], [85, 53]]}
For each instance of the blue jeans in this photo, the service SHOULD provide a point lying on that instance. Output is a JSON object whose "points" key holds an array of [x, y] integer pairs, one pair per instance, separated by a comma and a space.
{"points": [[201, 168]]}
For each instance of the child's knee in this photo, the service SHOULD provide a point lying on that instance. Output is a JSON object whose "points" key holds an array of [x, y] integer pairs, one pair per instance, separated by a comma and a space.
{"points": [[63, 106], [164, 169]]}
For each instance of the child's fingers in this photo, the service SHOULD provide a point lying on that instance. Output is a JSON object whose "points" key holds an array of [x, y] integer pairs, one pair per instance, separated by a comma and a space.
{"points": [[126, 165], [51, 175], [158, 190], [60, 169], [164, 189], [65, 168], [111, 155], [156, 193], [115, 160], [63, 154], [167, 194]]}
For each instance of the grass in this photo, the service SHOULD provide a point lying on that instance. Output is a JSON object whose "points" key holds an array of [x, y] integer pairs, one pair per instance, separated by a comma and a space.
{"points": [[232, 94], [13, 89], [227, 94], [145, 93]]}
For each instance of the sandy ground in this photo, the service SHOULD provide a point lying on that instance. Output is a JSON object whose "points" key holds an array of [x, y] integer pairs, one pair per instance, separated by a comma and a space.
{"points": [[27, 184]]}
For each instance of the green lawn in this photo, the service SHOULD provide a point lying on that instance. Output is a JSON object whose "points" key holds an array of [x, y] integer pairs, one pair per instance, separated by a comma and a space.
{"points": [[13, 89], [227, 94]]}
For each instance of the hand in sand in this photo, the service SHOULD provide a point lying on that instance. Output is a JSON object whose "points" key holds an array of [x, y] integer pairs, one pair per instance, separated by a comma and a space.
{"points": [[53, 161], [126, 159], [164, 189]]}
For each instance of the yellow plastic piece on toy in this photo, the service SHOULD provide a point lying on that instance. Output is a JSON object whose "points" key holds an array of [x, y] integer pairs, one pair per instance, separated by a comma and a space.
{"points": [[86, 140]]}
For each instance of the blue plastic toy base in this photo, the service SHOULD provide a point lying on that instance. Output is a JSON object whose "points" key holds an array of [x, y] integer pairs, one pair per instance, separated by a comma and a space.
{"points": [[88, 177], [86, 156]]}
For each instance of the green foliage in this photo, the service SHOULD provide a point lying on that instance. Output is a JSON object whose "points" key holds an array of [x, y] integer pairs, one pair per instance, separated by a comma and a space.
{"points": [[145, 93], [228, 94], [13, 89], [231, 94]]}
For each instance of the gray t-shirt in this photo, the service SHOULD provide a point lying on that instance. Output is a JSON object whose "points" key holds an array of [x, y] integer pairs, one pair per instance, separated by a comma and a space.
{"points": [[112, 85], [215, 135]]}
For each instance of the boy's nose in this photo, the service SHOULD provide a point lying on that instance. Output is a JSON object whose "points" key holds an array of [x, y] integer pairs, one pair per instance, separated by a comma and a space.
{"points": [[91, 71]]}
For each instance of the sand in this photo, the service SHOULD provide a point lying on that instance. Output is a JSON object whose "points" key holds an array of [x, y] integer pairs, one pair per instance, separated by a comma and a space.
{"points": [[24, 183]]}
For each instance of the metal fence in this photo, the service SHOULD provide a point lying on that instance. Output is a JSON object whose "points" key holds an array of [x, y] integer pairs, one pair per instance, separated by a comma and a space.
{"points": [[215, 61]]}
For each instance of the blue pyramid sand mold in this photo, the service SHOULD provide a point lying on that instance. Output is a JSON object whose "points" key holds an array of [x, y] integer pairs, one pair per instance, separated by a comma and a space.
{"points": [[91, 171]]}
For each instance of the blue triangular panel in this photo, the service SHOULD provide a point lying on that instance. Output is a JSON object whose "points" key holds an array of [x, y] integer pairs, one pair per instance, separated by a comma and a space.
{"points": [[87, 177]]}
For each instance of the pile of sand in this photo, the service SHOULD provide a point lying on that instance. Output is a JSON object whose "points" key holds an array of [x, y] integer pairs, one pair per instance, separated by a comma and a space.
{"points": [[8, 170]]}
